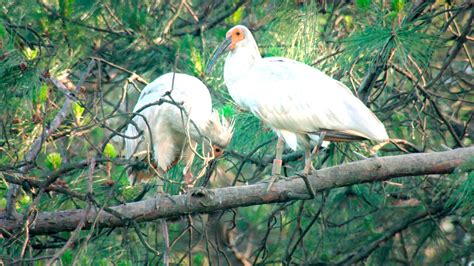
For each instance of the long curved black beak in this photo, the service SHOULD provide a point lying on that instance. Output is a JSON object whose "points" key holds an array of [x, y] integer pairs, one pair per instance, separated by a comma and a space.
{"points": [[219, 51]]}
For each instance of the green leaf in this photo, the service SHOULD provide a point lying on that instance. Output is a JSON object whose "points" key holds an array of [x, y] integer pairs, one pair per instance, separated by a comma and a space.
{"points": [[200, 259], [228, 111], [66, 258], [363, 4], [43, 93], [3, 31], [109, 151], [391, 16], [398, 5], [30, 54], [25, 200], [348, 20], [65, 7], [370, 225], [124, 263], [77, 110], [462, 197], [3, 203], [236, 18], [196, 60], [53, 161]]}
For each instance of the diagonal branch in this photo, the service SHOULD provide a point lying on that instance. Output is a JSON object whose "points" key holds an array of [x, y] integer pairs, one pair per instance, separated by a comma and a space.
{"points": [[38, 143], [369, 170]]}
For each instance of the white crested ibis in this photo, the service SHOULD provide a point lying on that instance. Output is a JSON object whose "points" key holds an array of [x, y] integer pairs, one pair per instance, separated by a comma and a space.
{"points": [[300, 103], [172, 129]]}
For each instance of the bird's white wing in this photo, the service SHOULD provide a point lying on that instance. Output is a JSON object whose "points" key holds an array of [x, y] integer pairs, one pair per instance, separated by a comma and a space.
{"points": [[147, 122], [289, 95], [166, 119]]}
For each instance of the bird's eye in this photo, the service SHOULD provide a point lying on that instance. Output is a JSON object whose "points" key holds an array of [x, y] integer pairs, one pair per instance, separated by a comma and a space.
{"points": [[237, 33], [217, 150]]}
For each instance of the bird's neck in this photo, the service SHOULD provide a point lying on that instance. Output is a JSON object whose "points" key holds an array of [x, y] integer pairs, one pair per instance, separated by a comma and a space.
{"points": [[239, 62], [198, 129]]}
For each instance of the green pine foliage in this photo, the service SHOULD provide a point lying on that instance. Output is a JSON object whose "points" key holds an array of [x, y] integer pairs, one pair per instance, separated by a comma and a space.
{"points": [[58, 39]]}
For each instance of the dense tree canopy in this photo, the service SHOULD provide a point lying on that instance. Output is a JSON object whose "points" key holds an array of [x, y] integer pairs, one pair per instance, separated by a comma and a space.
{"points": [[71, 72]]}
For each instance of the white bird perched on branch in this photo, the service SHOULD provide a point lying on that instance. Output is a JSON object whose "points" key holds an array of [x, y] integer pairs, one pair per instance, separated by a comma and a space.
{"points": [[173, 114], [299, 102]]}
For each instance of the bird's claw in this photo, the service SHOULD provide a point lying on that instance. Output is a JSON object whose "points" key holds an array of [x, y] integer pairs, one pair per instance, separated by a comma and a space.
{"points": [[309, 171]]}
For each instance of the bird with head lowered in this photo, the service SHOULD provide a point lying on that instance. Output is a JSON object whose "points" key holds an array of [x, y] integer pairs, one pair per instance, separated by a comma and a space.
{"points": [[172, 115]]}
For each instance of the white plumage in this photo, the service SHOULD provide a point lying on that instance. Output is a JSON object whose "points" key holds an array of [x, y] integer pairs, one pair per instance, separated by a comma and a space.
{"points": [[296, 100], [174, 132]]}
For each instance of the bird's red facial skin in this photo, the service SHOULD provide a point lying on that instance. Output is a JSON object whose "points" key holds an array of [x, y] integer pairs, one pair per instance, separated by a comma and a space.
{"points": [[218, 151], [236, 36]]}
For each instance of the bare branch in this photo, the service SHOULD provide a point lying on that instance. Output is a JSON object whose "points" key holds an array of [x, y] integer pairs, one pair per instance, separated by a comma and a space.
{"points": [[370, 170]]}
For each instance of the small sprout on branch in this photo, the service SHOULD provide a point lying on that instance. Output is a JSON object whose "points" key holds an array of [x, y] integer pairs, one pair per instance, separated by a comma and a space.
{"points": [[25, 200], [42, 94], [29, 53], [3, 203], [78, 110], [237, 17], [110, 151], [53, 161], [398, 5], [196, 59]]}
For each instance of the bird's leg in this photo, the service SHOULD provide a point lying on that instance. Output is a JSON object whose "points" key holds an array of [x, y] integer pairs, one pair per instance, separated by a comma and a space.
{"points": [[307, 161], [160, 184], [188, 156], [188, 175], [188, 178], [308, 164], [277, 162], [308, 169], [322, 135]]}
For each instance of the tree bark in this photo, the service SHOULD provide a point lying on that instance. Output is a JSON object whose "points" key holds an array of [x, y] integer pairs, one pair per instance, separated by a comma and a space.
{"points": [[369, 170]]}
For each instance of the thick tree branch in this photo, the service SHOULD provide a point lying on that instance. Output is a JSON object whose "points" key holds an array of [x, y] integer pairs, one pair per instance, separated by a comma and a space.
{"points": [[370, 170]]}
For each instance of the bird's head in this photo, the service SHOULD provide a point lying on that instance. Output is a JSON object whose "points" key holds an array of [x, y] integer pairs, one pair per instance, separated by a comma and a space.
{"points": [[237, 37], [219, 130]]}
